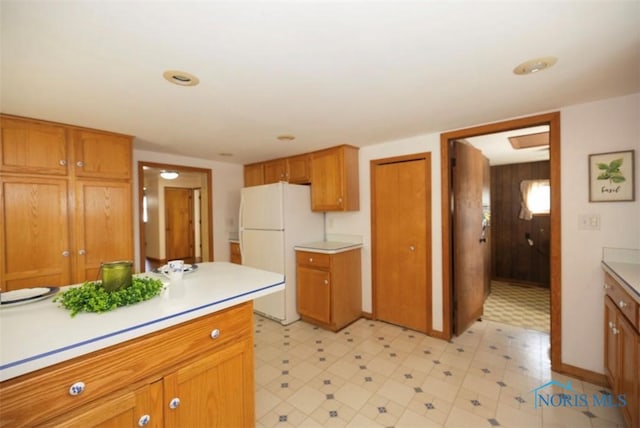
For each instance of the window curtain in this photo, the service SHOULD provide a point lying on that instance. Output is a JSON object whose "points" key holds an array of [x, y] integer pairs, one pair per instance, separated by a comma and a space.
{"points": [[527, 189]]}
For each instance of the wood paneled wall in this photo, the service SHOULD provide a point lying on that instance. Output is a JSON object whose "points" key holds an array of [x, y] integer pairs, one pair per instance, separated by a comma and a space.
{"points": [[512, 258]]}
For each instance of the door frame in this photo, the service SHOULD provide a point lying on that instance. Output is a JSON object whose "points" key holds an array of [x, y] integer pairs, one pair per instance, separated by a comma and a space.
{"points": [[553, 120], [429, 239]]}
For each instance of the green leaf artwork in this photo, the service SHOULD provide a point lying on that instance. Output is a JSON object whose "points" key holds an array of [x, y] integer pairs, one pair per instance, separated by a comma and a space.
{"points": [[611, 171]]}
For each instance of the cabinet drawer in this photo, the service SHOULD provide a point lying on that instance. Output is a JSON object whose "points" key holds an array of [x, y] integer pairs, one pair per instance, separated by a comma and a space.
{"points": [[623, 301], [106, 371], [308, 258]]}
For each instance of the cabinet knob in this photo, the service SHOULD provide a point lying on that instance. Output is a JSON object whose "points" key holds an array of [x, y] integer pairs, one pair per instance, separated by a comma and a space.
{"points": [[622, 304], [310, 259], [79, 164], [174, 403], [62, 162], [615, 330], [606, 286], [144, 420], [215, 333], [326, 282], [65, 253], [412, 248], [340, 201], [611, 324], [76, 389], [82, 252]]}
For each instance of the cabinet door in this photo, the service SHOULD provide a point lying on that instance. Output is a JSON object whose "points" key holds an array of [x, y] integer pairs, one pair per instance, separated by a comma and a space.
{"points": [[33, 147], [34, 233], [103, 225], [214, 391], [314, 293], [234, 249], [142, 407], [299, 169], [327, 180], [253, 175], [275, 171], [102, 155], [610, 343], [628, 380]]}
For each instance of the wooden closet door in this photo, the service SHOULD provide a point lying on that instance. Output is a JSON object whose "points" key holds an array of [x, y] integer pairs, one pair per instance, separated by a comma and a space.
{"points": [[35, 248], [178, 203], [401, 240]]}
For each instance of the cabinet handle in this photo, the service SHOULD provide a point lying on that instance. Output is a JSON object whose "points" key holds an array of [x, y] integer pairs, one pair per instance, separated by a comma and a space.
{"points": [[215, 333], [144, 420], [326, 282], [611, 324], [76, 389], [622, 304], [615, 330], [606, 286], [82, 252], [65, 253], [174, 403], [62, 162], [79, 164]]}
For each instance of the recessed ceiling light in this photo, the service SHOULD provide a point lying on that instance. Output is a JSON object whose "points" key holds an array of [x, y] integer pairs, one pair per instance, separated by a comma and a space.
{"points": [[286, 137], [535, 65], [225, 154], [181, 78]]}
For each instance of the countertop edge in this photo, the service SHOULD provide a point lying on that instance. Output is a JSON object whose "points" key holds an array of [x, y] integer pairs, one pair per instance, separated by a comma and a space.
{"points": [[311, 249], [631, 290]]}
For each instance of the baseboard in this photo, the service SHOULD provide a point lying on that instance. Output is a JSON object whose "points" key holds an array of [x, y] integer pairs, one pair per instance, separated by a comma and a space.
{"points": [[583, 374], [367, 315]]}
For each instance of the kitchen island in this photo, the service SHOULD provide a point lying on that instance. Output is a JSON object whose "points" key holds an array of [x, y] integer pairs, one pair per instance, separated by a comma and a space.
{"points": [[185, 354]]}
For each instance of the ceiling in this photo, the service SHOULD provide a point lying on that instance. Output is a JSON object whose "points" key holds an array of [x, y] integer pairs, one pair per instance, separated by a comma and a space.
{"points": [[327, 72]]}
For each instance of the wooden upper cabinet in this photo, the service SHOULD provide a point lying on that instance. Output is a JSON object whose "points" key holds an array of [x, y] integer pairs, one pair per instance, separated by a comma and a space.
{"points": [[275, 171], [299, 169], [33, 147], [253, 174], [102, 155], [334, 179]]}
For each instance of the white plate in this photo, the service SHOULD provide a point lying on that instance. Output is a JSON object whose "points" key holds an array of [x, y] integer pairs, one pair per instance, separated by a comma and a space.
{"points": [[26, 295]]}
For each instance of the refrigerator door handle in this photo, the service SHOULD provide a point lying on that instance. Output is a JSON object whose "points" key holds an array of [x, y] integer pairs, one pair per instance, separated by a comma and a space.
{"points": [[241, 226]]}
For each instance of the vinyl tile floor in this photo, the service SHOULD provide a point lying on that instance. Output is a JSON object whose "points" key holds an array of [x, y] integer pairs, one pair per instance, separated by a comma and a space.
{"points": [[374, 374], [524, 306]]}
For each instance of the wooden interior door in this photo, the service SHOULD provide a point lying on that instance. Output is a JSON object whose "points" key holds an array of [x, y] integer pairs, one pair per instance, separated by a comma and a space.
{"points": [[468, 247], [401, 219], [179, 229]]}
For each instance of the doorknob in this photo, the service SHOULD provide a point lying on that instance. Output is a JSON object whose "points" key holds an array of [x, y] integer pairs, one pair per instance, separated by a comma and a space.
{"points": [[412, 248]]}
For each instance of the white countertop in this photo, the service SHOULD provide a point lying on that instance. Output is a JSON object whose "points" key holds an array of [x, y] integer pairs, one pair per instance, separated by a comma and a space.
{"points": [[328, 247], [40, 334], [628, 274]]}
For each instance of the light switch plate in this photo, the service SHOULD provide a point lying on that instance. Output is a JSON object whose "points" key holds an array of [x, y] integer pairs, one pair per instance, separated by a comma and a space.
{"points": [[589, 222]]}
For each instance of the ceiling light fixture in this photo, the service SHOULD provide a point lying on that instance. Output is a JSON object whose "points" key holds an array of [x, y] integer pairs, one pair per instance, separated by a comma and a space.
{"points": [[535, 65], [169, 175], [181, 78]]}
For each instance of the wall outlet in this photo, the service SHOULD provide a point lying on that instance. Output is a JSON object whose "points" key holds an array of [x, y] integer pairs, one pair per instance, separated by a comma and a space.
{"points": [[589, 222]]}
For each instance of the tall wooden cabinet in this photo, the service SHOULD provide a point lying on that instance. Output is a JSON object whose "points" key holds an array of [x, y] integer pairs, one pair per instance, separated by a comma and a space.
{"points": [[334, 179], [65, 202]]}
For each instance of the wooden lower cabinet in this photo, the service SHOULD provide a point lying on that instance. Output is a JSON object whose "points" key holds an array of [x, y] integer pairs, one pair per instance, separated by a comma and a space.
{"points": [[329, 288], [234, 251], [195, 374], [622, 349]]}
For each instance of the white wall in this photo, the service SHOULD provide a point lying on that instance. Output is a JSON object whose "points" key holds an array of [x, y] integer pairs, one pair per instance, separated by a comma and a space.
{"points": [[227, 180], [603, 126]]}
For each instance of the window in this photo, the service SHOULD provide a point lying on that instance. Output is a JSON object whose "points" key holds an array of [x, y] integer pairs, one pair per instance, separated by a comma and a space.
{"points": [[536, 198]]}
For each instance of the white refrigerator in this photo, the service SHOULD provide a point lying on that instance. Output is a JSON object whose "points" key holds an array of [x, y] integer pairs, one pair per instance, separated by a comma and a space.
{"points": [[273, 218]]}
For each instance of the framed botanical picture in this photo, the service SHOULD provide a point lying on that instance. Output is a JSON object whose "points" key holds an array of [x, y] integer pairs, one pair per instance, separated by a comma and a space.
{"points": [[611, 177]]}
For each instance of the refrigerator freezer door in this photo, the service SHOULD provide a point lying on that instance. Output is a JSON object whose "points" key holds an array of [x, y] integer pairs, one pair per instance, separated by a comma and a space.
{"points": [[264, 249], [261, 207]]}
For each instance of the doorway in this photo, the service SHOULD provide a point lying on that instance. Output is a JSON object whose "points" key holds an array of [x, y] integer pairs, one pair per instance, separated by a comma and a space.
{"points": [[152, 209], [553, 121], [401, 240], [179, 220]]}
